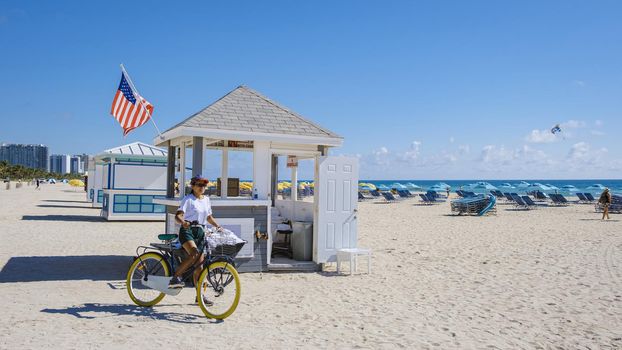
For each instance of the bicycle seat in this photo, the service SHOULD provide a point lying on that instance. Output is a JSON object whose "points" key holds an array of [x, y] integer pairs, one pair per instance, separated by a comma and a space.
{"points": [[167, 237]]}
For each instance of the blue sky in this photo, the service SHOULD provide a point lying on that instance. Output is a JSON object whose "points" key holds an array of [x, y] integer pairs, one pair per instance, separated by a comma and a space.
{"points": [[419, 90]]}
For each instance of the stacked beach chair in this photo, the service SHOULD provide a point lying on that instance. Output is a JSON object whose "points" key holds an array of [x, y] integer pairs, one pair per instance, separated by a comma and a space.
{"points": [[475, 205]]}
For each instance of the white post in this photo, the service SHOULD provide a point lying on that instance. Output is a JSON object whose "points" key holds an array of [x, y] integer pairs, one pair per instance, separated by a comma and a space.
{"points": [[224, 175], [182, 169], [262, 163], [294, 184]]}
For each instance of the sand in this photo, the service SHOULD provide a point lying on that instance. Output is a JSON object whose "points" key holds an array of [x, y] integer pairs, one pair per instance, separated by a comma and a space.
{"points": [[541, 279]]}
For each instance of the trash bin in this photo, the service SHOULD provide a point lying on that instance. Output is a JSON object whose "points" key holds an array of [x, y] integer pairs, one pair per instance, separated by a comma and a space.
{"points": [[302, 240]]}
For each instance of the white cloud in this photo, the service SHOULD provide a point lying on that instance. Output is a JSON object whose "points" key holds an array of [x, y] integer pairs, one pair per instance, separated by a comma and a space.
{"points": [[598, 122], [464, 149], [541, 136], [451, 139], [572, 124], [546, 136], [413, 153], [597, 132]]}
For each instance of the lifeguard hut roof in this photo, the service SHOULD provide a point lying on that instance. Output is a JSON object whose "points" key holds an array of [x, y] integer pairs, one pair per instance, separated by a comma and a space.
{"points": [[134, 150], [244, 114]]}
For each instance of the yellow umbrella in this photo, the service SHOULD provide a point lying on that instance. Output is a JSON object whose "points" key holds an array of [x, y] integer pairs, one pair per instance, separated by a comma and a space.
{"points": [[76, 183]]}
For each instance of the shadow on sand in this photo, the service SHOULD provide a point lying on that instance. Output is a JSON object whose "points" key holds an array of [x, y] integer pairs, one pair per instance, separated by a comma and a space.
{"points": [[88, 218], [64, 206], [64, 201], [94, 310], [65, 268]]}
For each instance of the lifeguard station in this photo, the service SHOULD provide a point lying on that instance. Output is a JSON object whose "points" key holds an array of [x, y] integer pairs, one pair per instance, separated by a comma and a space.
{"points": [[245, 121], [124, 180]]}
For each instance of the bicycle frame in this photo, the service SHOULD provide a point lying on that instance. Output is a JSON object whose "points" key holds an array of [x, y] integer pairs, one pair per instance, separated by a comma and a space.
{"points": [[171, 260]]}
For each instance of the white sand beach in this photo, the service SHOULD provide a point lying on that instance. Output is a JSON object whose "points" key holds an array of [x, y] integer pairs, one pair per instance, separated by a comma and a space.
{"points": [[542, 279]]}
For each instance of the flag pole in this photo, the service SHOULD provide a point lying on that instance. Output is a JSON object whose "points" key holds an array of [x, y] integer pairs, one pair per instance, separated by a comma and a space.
{"points": [[142, 103]]}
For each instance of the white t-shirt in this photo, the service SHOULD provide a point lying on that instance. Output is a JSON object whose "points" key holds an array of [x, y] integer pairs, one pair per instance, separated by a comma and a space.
{"points": [[196, 209]]}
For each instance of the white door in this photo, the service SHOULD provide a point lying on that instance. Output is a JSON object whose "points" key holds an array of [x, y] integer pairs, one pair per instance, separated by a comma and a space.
{"points": [[336, 203]]}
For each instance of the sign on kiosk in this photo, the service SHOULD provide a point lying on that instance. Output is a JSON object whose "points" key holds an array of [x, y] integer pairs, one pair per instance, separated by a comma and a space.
{"points": [[292, 161]]}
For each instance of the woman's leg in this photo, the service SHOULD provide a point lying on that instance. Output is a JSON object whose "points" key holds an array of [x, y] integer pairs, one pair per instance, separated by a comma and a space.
{"points": [[193, 254], [198, 269]]}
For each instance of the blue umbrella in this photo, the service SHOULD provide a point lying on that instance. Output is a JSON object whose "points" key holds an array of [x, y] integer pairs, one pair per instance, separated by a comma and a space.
{"points": [[398, 186], [411, 186], [383, 188], [522, 184], [536, 186], [484, 186]]}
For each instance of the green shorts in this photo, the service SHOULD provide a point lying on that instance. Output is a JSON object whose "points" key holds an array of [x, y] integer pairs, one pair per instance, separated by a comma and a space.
{"points": [[196, 234]]}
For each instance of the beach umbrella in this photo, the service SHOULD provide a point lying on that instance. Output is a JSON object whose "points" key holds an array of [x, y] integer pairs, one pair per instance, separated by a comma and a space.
{"points": [[365, 188], [76, 183], [552, 187], [484, 186], [507, 186], [536, 186], [383, 188], [411, 186], [522, 184], [398, 186]]}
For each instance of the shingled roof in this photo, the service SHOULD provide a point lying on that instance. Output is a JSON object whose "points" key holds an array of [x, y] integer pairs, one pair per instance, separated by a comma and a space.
{"points": [[244, 109]]}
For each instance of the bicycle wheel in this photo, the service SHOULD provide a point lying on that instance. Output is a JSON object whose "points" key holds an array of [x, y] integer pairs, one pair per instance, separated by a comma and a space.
{"points": [[152, 264], [220, 284]]}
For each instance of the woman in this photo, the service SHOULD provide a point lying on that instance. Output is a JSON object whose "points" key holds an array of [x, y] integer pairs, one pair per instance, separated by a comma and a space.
{"points": [[194, 208], [605, 200]]}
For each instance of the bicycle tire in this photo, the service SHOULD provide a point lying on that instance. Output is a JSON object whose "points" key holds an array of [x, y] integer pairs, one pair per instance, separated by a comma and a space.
{"points": [[215, 283], [140, 263]]}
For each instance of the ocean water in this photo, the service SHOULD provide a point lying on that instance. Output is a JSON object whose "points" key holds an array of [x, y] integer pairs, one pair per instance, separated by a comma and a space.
{"points": [[613, 185]]}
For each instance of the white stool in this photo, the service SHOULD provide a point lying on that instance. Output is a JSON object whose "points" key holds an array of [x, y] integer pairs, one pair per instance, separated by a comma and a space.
{"points": [[351, 255]]}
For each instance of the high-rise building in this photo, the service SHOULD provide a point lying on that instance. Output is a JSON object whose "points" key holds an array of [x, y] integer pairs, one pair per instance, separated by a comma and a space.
{"points": [[78, 163], [31, 156], [60, 163]]}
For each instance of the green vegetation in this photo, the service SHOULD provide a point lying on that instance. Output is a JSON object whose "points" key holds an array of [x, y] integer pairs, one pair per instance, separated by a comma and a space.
{"points": [[19, 172]]}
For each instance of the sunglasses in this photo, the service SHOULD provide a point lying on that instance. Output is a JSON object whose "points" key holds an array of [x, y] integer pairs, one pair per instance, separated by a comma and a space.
{"points": [[201, 185]]}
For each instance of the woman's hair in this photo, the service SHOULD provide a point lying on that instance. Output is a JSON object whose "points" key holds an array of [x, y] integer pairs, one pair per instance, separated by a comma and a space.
{"points": [[197, 179]]}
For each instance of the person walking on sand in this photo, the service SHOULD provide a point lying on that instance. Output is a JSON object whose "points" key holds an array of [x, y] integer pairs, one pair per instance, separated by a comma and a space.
{"points": [[605, 201], [37, 188]]}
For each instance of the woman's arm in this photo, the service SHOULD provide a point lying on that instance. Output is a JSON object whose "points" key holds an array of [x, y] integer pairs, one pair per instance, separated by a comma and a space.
{"points": [[179, 217], [212, 222]]}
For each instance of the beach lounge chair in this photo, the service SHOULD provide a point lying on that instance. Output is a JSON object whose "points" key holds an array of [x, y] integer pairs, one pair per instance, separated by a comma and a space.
{"points": [[508, 196], [388, 196], [530, 203], [459, 193], [589, 197], [403, 194], [364, 196], [558, 199], [374, 193], [540, 195], [582, 198], [519, 202], [425, 199]]}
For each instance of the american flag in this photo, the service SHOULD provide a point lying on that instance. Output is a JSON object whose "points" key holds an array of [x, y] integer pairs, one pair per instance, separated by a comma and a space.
{"points": [[127, 108]]}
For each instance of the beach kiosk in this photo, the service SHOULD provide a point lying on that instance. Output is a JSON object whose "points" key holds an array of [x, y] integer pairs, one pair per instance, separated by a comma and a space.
{"points": [[244, 120], [126, 179]]}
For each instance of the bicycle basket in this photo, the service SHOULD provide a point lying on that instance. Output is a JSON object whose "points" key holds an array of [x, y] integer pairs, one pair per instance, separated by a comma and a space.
{"points": [[230, 250]]}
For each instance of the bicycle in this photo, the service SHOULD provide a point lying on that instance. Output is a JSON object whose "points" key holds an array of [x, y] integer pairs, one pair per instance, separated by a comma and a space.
{"points": [[219, 281]]}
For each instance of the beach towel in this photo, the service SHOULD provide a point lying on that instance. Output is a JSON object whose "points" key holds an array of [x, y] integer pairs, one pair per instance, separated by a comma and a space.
{"points": [[222, 237]]}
